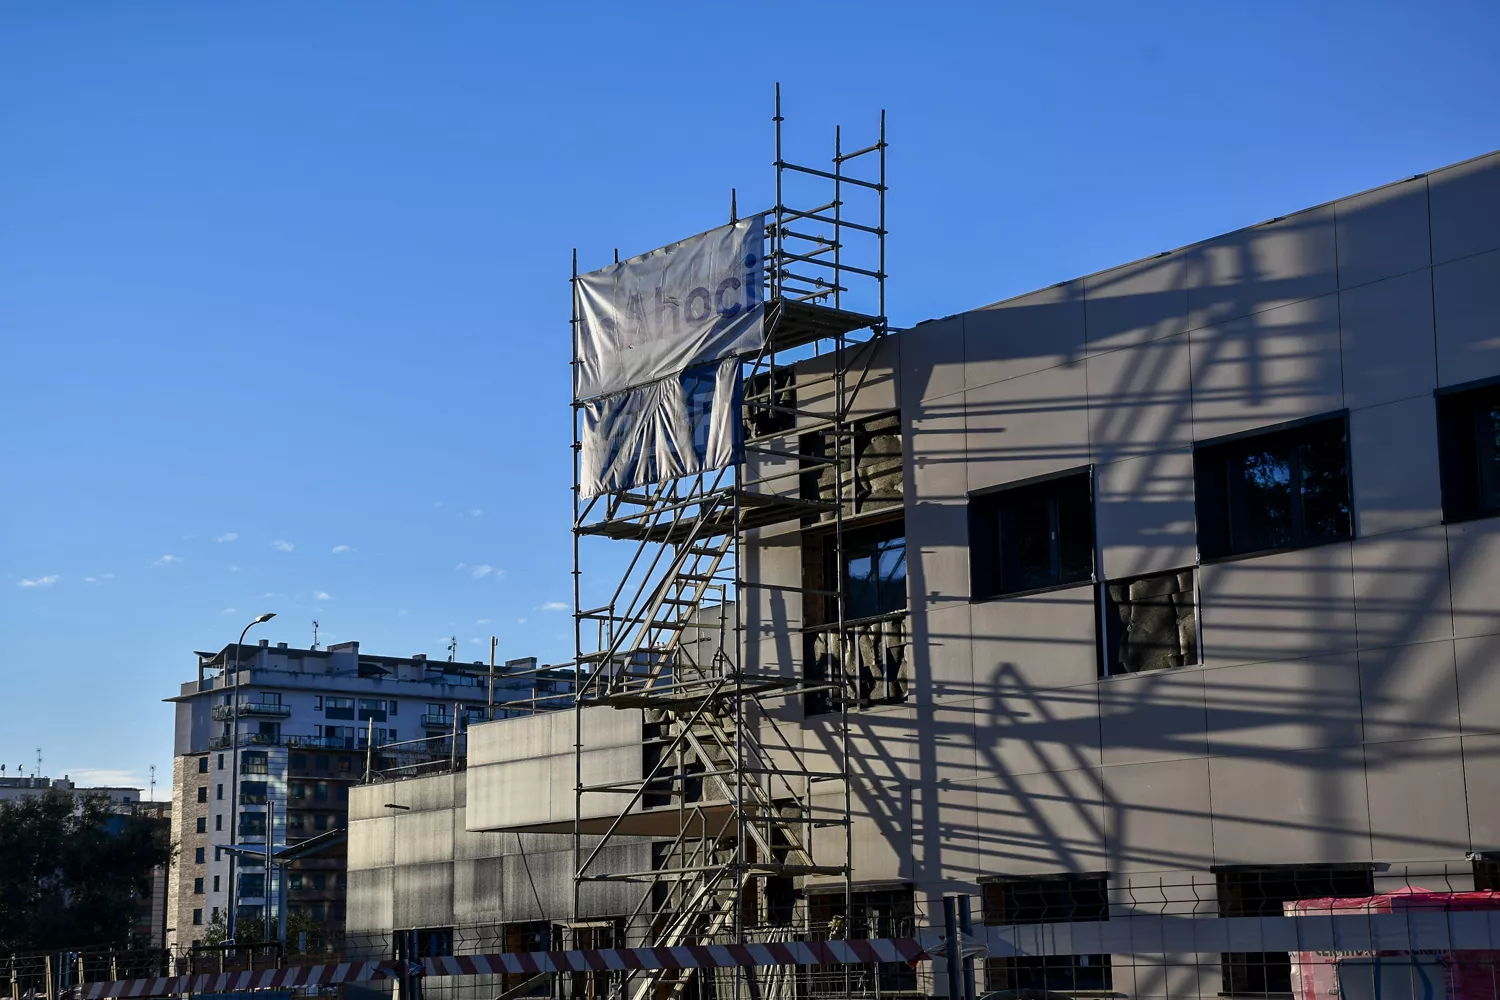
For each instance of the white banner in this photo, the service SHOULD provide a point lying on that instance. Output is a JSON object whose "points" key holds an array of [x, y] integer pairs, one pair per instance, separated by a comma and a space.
{"points": [[676, 426], [663, 312]]}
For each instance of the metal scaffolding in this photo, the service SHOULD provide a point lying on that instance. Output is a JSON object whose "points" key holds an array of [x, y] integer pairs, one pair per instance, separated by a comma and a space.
{"points": [[724, 791]]}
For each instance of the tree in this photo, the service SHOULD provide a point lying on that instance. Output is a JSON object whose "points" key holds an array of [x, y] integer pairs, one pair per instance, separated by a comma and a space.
{"points": [[217, 930], [73, 873]]}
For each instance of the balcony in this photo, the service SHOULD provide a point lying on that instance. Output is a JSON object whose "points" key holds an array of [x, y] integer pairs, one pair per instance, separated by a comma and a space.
{"points": [[252, 710], [437, 721]]}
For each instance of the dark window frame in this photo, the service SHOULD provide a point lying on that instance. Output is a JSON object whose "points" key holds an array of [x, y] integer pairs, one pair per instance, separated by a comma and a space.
{"points": [[1212, 501], [987, 554], [1459, 462]]}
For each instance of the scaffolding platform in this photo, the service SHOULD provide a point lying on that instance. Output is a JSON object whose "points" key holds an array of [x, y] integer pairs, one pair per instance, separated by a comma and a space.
{"points": [[756, 510], [796, 323]]}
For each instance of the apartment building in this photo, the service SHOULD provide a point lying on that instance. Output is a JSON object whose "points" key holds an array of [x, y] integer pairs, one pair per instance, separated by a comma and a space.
{"points": [[269, 740], [1186, 573]]}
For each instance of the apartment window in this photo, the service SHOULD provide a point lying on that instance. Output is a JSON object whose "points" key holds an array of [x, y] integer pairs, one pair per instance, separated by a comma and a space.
{"points": [[372, 708], [219, 791], [1150, 623], [202, 824], [294, 821], [1263, 892], [319, 881], [253, 885], [1032, 536], [320, 822], [202, 793], [1487, 874], [299, 761], [219, 822], [320, 791], [1042, 900], [198, 855], [202, 765], [216, 889], [197, 917], [252, 824], [221, 762], [198, 886], [338, 708], [256, 761], [1285, 488], [1469, 450], [321, 762], [253, 793]]}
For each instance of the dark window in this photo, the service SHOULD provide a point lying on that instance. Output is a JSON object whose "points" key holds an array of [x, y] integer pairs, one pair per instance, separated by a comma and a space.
{"points": [[253, 793], [1151, 623], [1487, 874], [256, 761], [1469, 451], [319, 881], [320, 791], [221, 762], [253, 885], [294, 880], [202, 824], [877, 914], [372, 708], [202, 765], [1262, 892], [253, 824], [197, 916], [219, 791], [202, 793], [294, 821], [865, 473], [198, 855], [219, 822], [1032, 536], [321, 762], [768, 412], [299, 761], [1282, 489], [338, 708], [216, 881], [875, 571], [1046, 899]]}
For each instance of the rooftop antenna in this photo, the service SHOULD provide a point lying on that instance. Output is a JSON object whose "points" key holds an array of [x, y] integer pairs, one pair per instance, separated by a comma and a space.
{"points": [[38, 773], [452, 648], [153, 783], [734, 209], [315, 634]]}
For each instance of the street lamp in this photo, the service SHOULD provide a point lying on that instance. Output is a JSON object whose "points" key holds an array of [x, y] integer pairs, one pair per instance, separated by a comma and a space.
{"points": [[234, 761]]}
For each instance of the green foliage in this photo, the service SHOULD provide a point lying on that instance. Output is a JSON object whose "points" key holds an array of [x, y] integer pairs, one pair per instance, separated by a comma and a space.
{"points": [[217, 930], [72, 872]]}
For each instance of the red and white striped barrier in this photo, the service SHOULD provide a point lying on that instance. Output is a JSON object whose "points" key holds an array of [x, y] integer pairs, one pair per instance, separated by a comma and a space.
{"points": [[715, 956]]}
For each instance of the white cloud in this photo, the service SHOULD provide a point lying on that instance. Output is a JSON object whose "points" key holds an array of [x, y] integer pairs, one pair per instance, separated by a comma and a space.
{"points": [[41, 581], [233, 568], [101, 578], [459, 567], [483, 621], [322, 595], [520, 621], [481, 571], [268, 594], [553, 606], [475, 511], [282, 545], [229, 611], [167, 560], [341, 548], [228, 536]]}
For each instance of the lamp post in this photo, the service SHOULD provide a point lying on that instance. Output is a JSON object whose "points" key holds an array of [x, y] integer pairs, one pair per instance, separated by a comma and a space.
{"points": [[234, 763]]}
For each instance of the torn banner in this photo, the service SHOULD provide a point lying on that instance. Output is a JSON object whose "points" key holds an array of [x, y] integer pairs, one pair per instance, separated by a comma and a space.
{"points": [[676, 426], [658, 314]]}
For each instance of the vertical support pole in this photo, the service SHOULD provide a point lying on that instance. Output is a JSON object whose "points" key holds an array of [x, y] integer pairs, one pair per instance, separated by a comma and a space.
{"points": [[882, 220], [838, 205], [48, 983], [952, 953], [453, 746], [370, 751], [776, 236], [265, 889], [281, 906], [966, 927], [490, 702]]}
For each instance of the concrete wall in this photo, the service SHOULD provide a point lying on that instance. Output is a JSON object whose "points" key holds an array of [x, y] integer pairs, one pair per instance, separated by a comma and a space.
{"points": [[1349, 705]]}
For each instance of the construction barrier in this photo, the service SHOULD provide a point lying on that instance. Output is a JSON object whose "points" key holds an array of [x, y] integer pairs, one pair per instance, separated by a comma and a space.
{"points": [[858, 952]]}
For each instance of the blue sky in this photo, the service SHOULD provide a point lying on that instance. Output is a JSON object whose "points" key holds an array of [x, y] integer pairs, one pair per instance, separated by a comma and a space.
{"points": [[283, 287]]}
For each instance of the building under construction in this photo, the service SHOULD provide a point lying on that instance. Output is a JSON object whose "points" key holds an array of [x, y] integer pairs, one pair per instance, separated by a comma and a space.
{"points": [[1166, 590]]}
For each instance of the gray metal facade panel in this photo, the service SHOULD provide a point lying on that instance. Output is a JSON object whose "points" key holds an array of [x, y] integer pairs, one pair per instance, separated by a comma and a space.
{"points": [[1465, 206]]}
